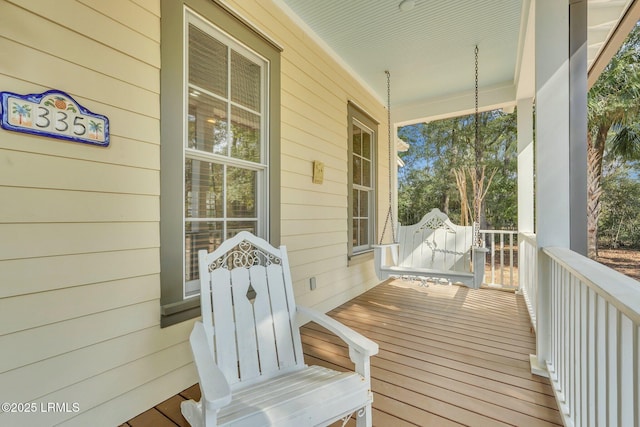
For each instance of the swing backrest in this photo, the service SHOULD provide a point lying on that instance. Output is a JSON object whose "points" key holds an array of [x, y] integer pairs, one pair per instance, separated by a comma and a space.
{"points": [[435, 243]]}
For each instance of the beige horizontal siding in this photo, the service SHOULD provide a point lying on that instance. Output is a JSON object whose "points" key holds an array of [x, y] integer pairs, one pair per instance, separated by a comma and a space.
{"points": [[98, 177], [102, 29], [45, 240], [141, 17], [108, 354], [101, 58], [95, 298], [44, 205], [79, 259], [37, 344], [122, 151], [61, 74], [30, 275]]}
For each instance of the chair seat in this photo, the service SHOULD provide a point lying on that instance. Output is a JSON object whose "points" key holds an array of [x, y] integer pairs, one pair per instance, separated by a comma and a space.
{"points": [[294, 399]]}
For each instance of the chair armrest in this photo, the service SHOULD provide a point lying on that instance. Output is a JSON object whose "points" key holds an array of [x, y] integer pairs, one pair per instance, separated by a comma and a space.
{"points": [[215, 389], [355, 340], [380, 254]]}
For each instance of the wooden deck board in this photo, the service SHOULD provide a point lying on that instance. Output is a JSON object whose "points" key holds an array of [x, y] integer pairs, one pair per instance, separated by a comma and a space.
{"points": [[449, 356]]}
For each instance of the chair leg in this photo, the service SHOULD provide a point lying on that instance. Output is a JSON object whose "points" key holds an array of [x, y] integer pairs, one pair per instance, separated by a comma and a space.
{"points": [[364, 416], [192, 412]]}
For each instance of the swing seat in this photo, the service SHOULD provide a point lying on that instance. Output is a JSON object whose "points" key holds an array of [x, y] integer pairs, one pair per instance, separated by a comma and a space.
{"points": [[434, 249]]}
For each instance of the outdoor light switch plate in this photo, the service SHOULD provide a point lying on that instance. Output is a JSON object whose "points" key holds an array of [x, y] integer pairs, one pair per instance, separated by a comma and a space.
{"points": [[318, 172]]}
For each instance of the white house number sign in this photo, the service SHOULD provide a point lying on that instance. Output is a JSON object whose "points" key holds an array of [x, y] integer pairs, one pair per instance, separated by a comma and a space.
{"points": [[53, 114]]}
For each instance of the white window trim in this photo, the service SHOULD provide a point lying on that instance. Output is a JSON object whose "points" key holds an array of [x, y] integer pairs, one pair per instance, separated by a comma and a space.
{"points": [[356, 250]]}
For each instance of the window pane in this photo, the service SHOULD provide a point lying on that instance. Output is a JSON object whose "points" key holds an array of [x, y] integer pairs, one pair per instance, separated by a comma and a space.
{"points": [[199, 235], [245, 127], [357, 140], [241, 193], [234, 227], [355, 209], [366, 173], [364, 232], [355, 233], [366, 145], [203, 189], [245, 81], [207, 124], [364, 204], [207, 62], [357, 170]]}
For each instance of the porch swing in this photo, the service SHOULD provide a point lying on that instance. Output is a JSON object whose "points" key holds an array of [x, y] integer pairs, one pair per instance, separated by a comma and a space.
{"points": [[433, 249]]}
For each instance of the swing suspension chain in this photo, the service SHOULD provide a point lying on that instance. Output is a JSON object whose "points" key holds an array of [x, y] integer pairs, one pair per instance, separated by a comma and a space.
{"points": [[389, 219], [475, 120], [476, 225]]}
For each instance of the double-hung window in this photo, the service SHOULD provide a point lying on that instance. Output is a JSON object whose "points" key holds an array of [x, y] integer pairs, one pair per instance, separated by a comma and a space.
{"points": [[220, 156], [362, 144], [225, 148]]}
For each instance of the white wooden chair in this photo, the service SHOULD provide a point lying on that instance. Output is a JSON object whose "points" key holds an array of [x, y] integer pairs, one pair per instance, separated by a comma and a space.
{"points": [[248, 351], [433, 248]]}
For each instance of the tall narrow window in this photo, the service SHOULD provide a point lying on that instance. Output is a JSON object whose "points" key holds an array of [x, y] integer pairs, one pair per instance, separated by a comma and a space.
{"points": [[362, 143], [225, 149], [220, 141]]}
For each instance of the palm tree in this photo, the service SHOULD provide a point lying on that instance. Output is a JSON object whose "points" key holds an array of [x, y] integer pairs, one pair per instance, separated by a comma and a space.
{"points": [[21, 111], [95, 127], [613, 107]]}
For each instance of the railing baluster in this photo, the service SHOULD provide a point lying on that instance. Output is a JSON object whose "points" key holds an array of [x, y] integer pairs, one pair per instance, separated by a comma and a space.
{"points": [[502, 259], [612, 363], [493, 258], [601, 362], [511, 282], [626, 388]]}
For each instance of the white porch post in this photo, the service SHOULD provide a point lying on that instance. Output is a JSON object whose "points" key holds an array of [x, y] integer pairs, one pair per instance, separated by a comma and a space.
{"points": [[560, 34], [525, 166], [578, 89]]}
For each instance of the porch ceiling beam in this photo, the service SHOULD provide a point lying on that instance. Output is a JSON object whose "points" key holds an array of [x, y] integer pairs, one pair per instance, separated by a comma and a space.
{"points": [[427, 110]]}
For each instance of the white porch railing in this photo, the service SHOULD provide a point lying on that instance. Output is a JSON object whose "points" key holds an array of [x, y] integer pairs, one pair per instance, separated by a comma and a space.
{"points": [[594, 362], [501, 269], [527, 272]]}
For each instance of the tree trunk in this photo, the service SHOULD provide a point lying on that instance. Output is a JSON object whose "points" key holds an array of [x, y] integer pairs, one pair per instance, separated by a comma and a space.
{"points": [[595, 151], [445, 203]]}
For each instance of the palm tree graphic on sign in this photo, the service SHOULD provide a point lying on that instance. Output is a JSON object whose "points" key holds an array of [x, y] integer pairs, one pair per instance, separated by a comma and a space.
{"points": [[21, 111], [95, 127]]}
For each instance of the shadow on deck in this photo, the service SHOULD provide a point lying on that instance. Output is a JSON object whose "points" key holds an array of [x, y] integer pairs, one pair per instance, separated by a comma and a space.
{"points": [[449, 356]]}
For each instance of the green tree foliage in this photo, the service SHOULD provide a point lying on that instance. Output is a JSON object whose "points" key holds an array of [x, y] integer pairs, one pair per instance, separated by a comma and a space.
{"points": [[613, 109], [619, 223], [437, 148]]}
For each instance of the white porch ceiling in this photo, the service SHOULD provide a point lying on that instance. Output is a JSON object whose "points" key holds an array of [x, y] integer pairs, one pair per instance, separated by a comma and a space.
{"points": [[429, 49]]}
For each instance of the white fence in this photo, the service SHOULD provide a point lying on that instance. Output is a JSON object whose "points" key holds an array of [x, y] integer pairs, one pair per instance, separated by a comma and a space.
{"points": [[502, 268], [594, 362]]}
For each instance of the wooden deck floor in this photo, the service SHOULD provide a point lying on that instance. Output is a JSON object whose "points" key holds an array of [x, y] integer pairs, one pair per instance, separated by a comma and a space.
{"points": [[449, 356]]}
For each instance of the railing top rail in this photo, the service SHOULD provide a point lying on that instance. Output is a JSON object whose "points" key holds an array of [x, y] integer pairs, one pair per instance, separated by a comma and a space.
{"points": [[530, 237], [499, 231], [619, 290]]}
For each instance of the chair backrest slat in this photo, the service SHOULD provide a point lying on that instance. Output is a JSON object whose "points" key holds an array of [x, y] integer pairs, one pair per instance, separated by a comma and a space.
{"points": [[223, 322], [281, 318], [245, 325], [264, 319]]}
